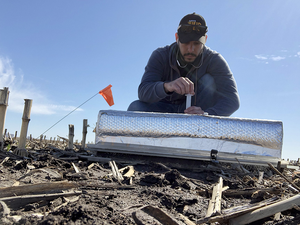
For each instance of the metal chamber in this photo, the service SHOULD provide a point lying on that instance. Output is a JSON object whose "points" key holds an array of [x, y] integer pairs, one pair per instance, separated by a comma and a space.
{"points": [[127, 126]]}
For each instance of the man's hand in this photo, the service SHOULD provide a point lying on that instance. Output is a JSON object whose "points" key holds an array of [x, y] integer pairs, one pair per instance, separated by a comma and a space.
{"points": [[182, 85], [194, 110]]}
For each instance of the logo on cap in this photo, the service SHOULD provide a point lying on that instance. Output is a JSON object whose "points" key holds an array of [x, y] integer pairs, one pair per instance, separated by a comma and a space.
{"points": [[194, 22]]}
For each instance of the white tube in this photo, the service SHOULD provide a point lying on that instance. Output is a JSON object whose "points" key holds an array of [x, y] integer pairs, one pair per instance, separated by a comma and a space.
{"points": [[188, 100]]}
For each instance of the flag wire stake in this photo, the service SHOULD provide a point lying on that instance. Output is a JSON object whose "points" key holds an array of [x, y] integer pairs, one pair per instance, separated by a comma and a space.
{"points": [[69, 113]]}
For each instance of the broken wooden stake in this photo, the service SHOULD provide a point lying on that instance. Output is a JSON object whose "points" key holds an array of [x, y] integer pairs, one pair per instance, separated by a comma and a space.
{"points": [[41, 141], [6, 210], [214, 207], [15, 137], [130, 171], [236, 211], [160, 215], [25, 122], [4, 93], [156, 213], [36, 188], [77, 170], [84, 132], [266, 211], [115, 171], [19, 201], [71, 136], [21, 150], [260, 177]]}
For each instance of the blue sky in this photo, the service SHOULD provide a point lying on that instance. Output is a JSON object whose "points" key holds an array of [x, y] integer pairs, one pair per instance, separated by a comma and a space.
{"points": [[60, 53]]}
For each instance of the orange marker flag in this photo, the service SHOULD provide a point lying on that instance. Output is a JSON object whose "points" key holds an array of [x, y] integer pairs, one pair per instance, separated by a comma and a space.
{"points": [[107, 95]]}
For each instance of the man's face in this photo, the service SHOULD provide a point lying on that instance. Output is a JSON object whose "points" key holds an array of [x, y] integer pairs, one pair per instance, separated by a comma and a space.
{"points": [[190, 50]]}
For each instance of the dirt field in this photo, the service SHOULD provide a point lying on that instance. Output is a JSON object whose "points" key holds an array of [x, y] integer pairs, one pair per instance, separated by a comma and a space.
{"points": [[57, 186]]}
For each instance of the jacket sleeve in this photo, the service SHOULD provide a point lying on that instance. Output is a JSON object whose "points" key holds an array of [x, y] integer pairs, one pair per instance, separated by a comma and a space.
{"points": [[227, 98], [151, 88]]}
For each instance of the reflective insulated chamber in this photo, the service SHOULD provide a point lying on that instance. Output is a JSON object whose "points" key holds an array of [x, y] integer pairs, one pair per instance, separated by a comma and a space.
{"points": [[184, 132]]}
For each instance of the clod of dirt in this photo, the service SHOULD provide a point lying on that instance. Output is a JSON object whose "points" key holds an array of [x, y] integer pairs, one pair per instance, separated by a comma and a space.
{"points": [[172, 176], [175, 178], [151, 179]]}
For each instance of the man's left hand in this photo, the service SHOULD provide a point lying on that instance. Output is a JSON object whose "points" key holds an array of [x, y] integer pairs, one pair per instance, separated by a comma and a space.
{"points": [[194, 110]]}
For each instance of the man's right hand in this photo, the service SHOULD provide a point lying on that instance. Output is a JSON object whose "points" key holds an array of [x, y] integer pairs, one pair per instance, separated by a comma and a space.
{"points": [[182, 85]]}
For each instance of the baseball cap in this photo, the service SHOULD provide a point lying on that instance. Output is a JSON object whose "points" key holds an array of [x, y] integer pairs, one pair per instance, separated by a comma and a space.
{"points": [[192, 27]]}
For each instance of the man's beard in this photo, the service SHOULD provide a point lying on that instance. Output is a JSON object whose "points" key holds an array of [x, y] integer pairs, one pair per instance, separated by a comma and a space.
{"points": [[181, 59], [192, 54]]}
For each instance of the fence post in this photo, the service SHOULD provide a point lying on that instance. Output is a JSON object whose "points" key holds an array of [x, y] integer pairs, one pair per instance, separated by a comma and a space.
{"points": [[4, 93]]}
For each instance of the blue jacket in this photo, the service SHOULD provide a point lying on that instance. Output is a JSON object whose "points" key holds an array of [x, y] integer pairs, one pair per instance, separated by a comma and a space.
{"points": [[162, 67]]}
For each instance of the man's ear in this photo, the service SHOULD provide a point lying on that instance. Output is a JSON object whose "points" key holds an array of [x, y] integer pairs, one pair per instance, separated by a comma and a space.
{"points": [[176, 37]]}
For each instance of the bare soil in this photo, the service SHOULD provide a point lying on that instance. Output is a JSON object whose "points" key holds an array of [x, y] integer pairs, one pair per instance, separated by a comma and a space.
{"points": [[160, 190]]}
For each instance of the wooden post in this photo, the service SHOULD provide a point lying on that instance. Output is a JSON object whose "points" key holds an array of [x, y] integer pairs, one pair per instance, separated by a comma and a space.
{"points": [[25, 122], [71, 136], [279, 165], [4, 93], [41, 140], [16, 134], [9, 136], [84, 132]]}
